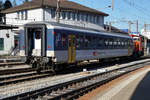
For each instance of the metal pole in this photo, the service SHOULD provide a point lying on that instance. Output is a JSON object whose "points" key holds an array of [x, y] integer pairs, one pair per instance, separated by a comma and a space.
{"points": [[109, 26], [144, 26], [112, 5], [58, 11], [137, 26], [106, 26], [145, 46], [129, 27], [145, 41]]}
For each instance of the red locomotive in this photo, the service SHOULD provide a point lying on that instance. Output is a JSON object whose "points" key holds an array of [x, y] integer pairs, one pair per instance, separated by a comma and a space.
{"points": [[137, 44]]}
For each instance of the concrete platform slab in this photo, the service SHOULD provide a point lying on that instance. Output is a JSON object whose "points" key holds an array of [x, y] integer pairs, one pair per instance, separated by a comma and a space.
{"points": [[134, 87]]}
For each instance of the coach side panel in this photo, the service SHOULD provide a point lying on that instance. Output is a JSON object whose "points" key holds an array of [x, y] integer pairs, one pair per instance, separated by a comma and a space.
{"points": [[50, 42], [21, 43]]}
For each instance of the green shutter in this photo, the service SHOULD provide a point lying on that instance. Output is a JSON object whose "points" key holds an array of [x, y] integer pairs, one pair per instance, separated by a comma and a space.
{"points": [[1, 43]]}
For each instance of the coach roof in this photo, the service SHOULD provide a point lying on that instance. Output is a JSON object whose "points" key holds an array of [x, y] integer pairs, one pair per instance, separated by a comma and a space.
{"points": [[64, 4]]}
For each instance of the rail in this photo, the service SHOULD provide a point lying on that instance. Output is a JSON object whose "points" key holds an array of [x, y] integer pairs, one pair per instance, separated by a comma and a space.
{"points": [[72, 89]]}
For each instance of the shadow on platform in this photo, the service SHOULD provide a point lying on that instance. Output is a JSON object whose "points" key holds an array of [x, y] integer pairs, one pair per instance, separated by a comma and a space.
{"points": [[142, 91]]}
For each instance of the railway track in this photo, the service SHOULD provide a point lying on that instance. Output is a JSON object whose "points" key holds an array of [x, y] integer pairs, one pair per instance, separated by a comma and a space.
{"points": [[22, 77], [74, 88], [15, 68]]}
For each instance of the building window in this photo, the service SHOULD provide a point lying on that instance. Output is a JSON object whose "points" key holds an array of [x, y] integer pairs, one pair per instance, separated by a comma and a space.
{"points": [[53, 14], [73, 16], [22, 15], [26, 14], [68, 15], [82, 17], [18, 15], [78, 16], [86, 17], [63, 15], [92, 17], [1, 43], [97, 19], [89, 18]]}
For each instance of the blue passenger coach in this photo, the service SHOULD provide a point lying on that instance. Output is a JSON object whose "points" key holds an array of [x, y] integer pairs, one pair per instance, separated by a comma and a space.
{"points": [[48, 44]]}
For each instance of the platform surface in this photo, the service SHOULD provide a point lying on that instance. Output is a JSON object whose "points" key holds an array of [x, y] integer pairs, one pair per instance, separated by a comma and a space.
{"points": [[134, 87]]}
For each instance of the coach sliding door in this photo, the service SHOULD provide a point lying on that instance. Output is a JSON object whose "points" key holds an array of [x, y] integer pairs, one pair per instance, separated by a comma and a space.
{"points": [[71, 48]]}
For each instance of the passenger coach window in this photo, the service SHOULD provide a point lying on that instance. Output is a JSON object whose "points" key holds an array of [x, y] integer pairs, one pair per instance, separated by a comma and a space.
{"points": [[106, 42], [63, 41], [79, 42], [57, 40], [115, 43], [88, 42], [95, 39], [100, 42], [126, 43]]}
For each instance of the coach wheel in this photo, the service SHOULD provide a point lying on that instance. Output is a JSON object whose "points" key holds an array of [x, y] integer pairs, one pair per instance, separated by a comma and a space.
{"points": [[34, 65], [53, 67], [28, 61]]}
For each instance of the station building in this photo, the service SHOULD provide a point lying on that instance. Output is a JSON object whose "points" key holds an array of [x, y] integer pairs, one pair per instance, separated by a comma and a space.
{"points": [[70, 13], [8, 40], [146, 35]]}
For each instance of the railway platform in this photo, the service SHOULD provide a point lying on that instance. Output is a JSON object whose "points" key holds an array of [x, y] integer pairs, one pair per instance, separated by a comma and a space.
{"points": [[132, 87]]}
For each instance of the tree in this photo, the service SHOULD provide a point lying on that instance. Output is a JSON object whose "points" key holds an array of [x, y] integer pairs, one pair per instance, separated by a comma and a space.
{"points": [[26, 0], [7, 4]]}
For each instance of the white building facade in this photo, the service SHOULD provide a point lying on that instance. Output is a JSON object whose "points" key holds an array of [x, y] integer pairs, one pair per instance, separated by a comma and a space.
{"points": [[7, 42], [81, 19]]}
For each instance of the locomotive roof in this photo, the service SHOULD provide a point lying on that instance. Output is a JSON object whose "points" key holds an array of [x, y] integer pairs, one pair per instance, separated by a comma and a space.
{"points": [[55, 25]]}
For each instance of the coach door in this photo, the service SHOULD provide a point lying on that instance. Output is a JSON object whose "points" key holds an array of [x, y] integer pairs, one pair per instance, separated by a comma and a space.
{"points": [[71, 48]]}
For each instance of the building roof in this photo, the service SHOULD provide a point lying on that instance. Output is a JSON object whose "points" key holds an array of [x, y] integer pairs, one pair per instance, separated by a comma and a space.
{"points": [[64, 4]]}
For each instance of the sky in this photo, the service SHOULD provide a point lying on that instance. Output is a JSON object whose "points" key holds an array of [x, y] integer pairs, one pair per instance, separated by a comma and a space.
{"points": [[124, 11]]}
